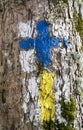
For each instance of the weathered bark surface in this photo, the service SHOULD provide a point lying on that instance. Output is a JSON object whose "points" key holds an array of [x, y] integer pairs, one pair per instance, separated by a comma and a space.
{"points": [[15, 80]]}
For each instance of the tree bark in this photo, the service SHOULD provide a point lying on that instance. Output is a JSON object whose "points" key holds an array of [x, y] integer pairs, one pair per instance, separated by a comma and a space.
{"points": [[20, 72]]}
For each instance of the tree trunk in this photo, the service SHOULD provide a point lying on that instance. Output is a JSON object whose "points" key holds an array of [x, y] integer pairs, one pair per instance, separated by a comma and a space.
{"points": [[20, 71]]}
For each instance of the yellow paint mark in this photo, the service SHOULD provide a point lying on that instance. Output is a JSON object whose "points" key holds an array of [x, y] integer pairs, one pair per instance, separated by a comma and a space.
{"points": [[47, 96]]}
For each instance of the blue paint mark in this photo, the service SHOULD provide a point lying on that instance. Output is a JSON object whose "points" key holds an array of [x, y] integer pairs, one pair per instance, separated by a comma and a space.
{"points": [[43, 43], [27, 43]]}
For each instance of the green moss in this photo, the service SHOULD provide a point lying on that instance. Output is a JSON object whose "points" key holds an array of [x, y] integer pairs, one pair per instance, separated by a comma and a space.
{"points": [[57, 1], [54, 1], [64, 126], [65, 1], [79, 27], [79, 23], [48, 125], [68, 113], [68, 110]]}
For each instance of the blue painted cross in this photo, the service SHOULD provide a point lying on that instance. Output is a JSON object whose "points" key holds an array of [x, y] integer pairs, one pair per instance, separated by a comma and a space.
{"points": [[43, 43]]}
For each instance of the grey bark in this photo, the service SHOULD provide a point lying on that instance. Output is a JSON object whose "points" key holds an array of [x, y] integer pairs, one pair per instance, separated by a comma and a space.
{"points": [[12, 115]]}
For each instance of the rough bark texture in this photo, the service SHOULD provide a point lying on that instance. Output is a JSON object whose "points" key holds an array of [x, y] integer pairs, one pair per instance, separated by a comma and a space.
{"points": [[19, 106]]}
